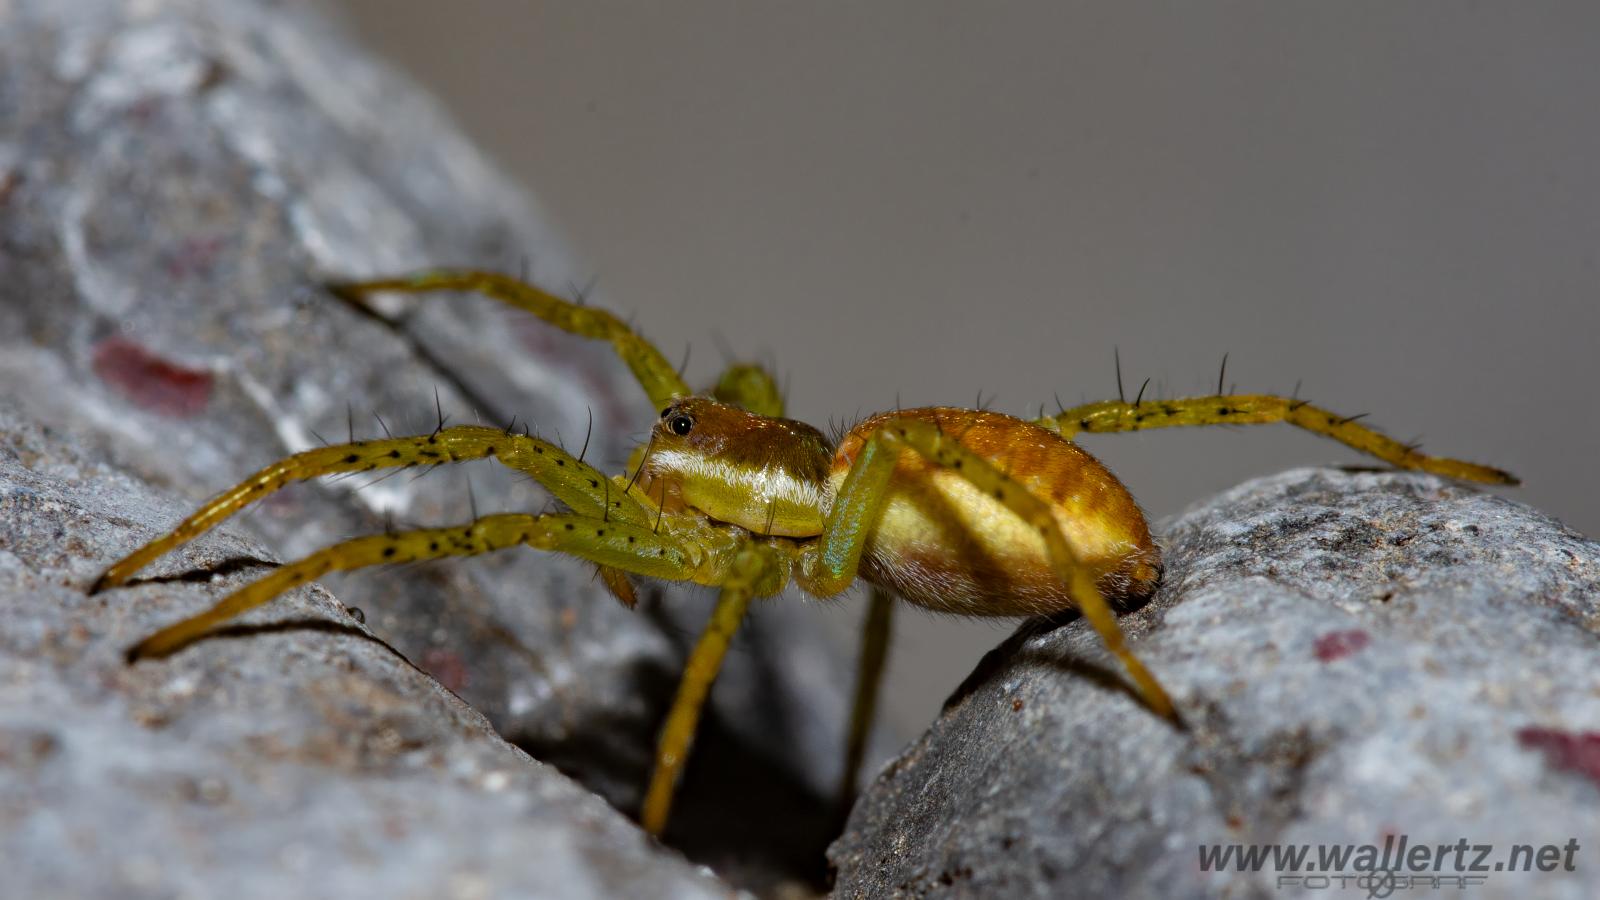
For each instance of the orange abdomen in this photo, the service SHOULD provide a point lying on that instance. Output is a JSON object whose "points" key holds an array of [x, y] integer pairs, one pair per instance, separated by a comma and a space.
{"points": [[942, 544]]}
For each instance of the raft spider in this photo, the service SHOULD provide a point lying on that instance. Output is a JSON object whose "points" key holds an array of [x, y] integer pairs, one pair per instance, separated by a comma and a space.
{"points": [[955, 510]]}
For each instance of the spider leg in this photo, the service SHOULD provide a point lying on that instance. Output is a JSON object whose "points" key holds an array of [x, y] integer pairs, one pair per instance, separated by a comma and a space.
{"points": [[632, 547], [657, 376], [1260, 409], [833, 561], [751, 573], [751, 388], [869, 676], [577, 484]]}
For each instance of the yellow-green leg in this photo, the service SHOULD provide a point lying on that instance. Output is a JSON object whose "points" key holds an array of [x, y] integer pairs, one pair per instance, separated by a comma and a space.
{"points": [[751, 388], [658, 378], [577, 484], [833, 564], [1259, 409], [632, 547], [869, 678], [750, 569]]}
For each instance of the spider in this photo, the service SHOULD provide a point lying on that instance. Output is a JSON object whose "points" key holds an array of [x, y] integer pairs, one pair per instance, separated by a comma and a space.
{"points": [[955, 510]]}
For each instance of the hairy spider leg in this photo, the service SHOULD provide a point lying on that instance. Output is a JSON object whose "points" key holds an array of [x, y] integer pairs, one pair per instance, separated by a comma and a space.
{"points": [[754, 389], [869, 676], [577, 484], [756, 571], [1261, 409], [632, 547], [659, 379], [834, 560]]}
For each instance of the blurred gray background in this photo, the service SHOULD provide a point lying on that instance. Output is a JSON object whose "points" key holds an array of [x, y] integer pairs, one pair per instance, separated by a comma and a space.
{"points": [[1395, 204]]}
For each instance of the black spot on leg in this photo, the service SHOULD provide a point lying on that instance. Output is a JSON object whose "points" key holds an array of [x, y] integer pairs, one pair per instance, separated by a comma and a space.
{"points": [[389, 552], [599, 532], [593, 483], [631, 539], [561, 462], [571, 526], [1223, 411], [433, 546], [538, 449], [352, 458], [394, 454]]}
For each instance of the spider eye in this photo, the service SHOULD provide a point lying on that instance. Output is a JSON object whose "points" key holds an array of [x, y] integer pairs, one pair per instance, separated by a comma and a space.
{"points": [[666, 412], [681, 424]]}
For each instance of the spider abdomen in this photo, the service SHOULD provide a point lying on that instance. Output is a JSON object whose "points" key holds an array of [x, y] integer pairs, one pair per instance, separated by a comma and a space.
{"points": [[943, 544]]}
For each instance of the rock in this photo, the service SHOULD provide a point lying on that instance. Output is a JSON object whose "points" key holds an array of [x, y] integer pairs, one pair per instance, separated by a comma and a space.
{"points": [[297, 756], [1359, 656], [175, 180]]}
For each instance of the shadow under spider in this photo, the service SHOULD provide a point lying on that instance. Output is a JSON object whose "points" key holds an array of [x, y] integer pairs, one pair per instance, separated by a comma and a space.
{"points": [[326, 626], [230, 566], [1012, 652]]}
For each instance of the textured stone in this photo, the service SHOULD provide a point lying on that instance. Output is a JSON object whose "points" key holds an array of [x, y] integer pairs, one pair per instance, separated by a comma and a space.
{"points": [[296, 755], [1358, 656], [176, 177]]}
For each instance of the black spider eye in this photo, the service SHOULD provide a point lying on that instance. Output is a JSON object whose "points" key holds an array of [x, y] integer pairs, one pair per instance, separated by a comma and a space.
{"points": [[681, 424], [666, 412]]}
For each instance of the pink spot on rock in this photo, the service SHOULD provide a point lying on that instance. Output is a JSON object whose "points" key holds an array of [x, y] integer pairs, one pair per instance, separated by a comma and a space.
{"points": [[193, 256], [448, 667], [1339, 644], [1569, 751], [151, 382]]}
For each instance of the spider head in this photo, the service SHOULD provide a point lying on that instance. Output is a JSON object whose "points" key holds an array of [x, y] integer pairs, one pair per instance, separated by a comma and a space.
{"points": [[761, 473]]}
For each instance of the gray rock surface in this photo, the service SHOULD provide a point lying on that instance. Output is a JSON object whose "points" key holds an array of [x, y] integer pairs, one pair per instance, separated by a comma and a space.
{"points": [[297, 757], [1358, 656], [175, 178]]}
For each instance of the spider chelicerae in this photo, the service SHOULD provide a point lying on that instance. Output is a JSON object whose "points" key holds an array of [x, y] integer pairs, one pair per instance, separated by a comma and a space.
{"points": [[955, 510]]}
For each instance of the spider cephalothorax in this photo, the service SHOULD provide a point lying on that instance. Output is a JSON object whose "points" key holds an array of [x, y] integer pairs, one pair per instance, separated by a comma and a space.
{"points": [[763, 473], [956, 510]]}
